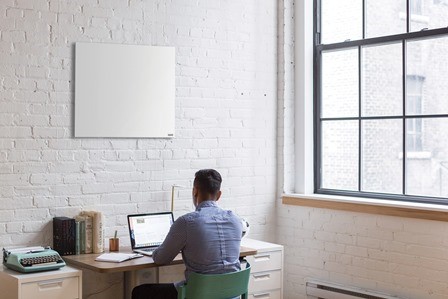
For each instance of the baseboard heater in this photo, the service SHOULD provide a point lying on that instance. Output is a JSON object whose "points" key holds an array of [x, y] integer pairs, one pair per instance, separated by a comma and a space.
{"points": [[327, 290]]}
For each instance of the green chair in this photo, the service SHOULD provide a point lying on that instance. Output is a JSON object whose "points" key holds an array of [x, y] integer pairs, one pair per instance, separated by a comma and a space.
{"points": [[216, 286]]}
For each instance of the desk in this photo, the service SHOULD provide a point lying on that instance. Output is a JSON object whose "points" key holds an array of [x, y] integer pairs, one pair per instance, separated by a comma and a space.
{"points": [[129, 268]]}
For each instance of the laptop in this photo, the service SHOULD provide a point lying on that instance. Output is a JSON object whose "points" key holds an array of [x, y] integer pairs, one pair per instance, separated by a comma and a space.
{"points": [[148, 231]]}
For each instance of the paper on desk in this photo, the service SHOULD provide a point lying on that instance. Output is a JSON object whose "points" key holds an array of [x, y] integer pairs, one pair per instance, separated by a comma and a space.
{"points": [[117, 257]]}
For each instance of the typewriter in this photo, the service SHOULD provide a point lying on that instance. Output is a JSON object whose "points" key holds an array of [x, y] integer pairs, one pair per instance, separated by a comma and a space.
{"points": [[32, 259]]}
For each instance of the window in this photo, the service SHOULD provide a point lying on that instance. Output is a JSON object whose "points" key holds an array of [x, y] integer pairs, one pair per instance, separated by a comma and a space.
{"points": [[443, 2], [414, 128], [416, 7], [381, 108]]}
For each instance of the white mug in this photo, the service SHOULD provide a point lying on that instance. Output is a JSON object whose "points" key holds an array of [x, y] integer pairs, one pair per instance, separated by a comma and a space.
{"points": [[246, 227]]}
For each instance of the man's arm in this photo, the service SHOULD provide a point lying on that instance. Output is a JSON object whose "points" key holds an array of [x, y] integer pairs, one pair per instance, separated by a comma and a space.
{"points": [[174, 242]]}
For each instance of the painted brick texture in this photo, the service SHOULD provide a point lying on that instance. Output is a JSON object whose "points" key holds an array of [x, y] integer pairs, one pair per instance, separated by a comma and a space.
{"points": [[225, 113], [399, 256]]}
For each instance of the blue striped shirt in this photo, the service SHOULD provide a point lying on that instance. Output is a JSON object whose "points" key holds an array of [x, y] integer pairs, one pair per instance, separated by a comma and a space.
{"points": [[209, 239]]}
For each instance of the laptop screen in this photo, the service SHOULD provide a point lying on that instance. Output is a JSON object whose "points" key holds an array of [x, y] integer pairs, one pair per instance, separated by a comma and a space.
{"points": [[148, 230]]}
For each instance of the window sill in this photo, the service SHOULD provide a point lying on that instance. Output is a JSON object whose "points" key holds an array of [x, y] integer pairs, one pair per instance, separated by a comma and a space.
{"points": [[414, 18], [368, 205], [420, 155]]}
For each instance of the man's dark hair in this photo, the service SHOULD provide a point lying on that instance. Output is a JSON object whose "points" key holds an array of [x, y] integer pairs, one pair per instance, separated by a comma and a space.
{"points": [[207, 181]]}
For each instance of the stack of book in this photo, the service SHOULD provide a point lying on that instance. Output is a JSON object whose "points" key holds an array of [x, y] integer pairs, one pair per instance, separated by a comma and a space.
{"points": [[90, 232], [87, 235]]}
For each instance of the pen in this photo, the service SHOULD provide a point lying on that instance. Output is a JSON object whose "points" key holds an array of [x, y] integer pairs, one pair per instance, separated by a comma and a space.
{"points": [[115, 236]]}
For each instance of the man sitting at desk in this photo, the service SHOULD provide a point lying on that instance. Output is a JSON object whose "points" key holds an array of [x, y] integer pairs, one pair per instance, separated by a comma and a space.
{"points": [[209, 238]]}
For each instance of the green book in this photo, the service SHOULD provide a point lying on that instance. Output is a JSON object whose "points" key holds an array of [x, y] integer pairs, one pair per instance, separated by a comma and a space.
{"points": [[77, 238], [82, 236]]}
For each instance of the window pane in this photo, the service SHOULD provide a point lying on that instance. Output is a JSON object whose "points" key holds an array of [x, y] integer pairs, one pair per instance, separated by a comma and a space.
{"points": [[340, 91], [426, 63], [340, 155], [427, 171], [385, 17], [414, 135], [382, 83], [341, 20], [414, 94], [382, 143], [428, 14]]}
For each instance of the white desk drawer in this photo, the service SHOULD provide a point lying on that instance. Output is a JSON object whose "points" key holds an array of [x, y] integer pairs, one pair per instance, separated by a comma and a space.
{"points": [[58, 288], [260, 282], [266, 295], [265, 261]]}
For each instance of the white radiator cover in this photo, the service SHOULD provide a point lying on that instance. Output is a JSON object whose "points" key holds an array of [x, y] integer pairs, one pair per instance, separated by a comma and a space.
{"points": [[328, 290]]}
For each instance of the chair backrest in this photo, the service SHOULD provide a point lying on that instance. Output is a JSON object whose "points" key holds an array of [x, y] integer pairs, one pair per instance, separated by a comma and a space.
{"points": [[216, 286]]}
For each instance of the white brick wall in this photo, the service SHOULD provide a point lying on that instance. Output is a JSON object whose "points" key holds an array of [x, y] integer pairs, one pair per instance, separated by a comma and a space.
{"points": [[225, 112], [400, 256]]}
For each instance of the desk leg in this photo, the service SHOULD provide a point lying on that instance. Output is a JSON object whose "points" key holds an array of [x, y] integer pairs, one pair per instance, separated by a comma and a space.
{"points": [[138, 277]]}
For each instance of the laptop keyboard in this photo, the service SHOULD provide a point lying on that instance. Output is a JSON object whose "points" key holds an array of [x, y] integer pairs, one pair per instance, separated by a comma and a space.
{"points": [[149, 250]]}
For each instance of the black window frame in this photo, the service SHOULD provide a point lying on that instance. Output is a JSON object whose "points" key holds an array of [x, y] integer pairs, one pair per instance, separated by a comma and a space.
{"points": [[317, 71]]}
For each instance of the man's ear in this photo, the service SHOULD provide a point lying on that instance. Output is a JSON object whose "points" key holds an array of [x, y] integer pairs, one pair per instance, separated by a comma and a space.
{"points": [[218, 195]]}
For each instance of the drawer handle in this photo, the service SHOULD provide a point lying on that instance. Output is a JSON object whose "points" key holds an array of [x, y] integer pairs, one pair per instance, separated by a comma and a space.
{"points": [[262, 276], [262, 257], [262, 295], [50, 284]]}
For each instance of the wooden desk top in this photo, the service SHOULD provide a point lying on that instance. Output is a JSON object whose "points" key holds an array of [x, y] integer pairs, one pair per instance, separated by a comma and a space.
{"points": [[87, 261]]}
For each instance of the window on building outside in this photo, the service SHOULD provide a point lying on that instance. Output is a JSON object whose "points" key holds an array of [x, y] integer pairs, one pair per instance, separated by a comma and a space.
{"points": [[381, 99], [414, 98], [416, 7]]}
